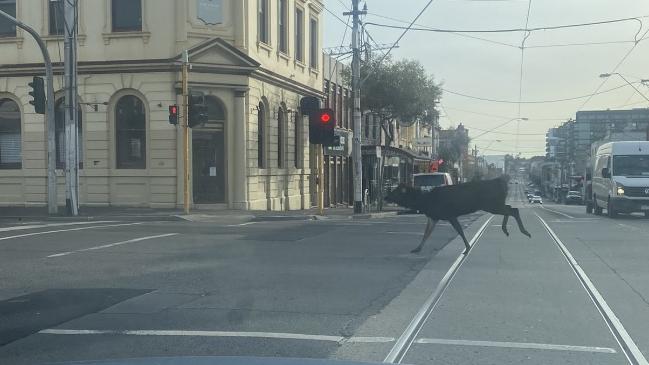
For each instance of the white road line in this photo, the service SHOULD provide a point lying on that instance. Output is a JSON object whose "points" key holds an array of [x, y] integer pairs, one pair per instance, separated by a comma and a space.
{"points": [[629, 347], [270, 335], [112, 245], [516, 345], [241, 224], [67, 230], [403, 343], [557, 212], [26, 227]]}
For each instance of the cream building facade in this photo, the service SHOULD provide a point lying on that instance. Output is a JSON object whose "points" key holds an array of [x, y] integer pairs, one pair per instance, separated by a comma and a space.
{"points": [[253, 59]]}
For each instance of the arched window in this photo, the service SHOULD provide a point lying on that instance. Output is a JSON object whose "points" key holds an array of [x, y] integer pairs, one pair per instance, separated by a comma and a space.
{"points": [[367, 126], [59, 122], [215, 110], [281, 121], [10, 139], [261, 128], [298, 141], [130, 133]]}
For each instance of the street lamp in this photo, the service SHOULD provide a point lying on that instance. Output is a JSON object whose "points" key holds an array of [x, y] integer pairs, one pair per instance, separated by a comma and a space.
{"points": [[606, 75]]}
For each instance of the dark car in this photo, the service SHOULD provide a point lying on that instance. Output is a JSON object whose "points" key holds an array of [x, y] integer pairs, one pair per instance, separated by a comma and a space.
{"points": [[574, 197]]}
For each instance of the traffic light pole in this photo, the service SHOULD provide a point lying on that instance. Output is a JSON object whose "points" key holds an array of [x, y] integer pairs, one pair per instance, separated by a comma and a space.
{"points": [[52, 207], [321, 181], [185, 126], [71, 109], [356, 78]]}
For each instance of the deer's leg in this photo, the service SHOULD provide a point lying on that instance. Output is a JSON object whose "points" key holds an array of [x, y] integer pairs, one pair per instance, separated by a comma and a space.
{"points": [[504, 225], [458, 227], [516, 214], [505, 211], [429, 229]]}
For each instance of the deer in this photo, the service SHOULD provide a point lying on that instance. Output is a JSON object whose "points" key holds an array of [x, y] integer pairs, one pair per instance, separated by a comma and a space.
{"points": [[452, 201]]}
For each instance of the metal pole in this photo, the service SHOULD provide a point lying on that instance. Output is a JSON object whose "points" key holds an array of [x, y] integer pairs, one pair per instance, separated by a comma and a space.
{"points": [[321, 180], [71, 114], [185, 125], [356, 76], [52, 207]]}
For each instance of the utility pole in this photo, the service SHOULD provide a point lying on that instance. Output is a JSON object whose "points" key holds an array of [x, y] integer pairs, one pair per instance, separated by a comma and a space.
{"points": [[185, 126], [356, 83], [71, 109], [52, 206]]}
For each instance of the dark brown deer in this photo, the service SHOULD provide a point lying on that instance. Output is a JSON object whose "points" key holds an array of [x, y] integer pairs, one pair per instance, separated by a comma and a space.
{"points": [[451, 201]]}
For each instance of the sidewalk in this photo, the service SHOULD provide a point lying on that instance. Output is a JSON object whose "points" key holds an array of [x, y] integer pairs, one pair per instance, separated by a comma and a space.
{"points": [[196, 215]]}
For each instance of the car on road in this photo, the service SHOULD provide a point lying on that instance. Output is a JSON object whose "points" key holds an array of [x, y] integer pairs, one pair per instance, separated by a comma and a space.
{"points": [[536, 199], [573, 197], [620, 181], [429, 181]]}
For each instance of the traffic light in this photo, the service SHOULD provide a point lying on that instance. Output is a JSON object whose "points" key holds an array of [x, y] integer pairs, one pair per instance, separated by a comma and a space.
{"points": [[321, 127], [197, 109], [309, 104], [38, 94], [173, 114]]}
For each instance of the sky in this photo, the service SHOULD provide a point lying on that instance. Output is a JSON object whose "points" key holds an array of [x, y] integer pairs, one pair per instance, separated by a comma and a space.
{"points": [[490, 67]]}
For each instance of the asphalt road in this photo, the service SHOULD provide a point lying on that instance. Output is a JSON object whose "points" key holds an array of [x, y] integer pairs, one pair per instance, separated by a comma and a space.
{"points": [[341, 289]]}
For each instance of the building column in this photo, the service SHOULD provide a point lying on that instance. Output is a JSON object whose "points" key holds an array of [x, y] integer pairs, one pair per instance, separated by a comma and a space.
{"points": [[240, 158]]}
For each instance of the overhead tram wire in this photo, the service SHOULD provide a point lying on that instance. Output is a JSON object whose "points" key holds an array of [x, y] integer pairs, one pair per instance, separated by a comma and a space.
{"points": [[336, 16], [520, 77]]}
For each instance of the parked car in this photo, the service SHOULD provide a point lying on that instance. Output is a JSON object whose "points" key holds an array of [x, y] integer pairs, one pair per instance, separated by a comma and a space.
{"points": [[536, 199], [529, 196], [428, 181], [574, 197]]}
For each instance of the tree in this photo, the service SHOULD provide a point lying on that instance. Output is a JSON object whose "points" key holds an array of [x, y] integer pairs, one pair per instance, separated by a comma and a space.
{"points": [[401, 91], [452, 151]]}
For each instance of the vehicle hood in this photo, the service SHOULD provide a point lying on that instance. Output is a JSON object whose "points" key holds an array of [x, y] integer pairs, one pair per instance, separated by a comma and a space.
{"points": [[640, 181], [213, 360]]}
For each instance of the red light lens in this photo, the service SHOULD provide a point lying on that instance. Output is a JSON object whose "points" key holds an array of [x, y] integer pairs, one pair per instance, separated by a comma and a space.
{"points": [[173, 110], [325, 118]]}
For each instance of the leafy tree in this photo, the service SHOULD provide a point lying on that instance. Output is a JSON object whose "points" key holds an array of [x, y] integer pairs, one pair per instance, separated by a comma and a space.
{"points": [[451, 152]]}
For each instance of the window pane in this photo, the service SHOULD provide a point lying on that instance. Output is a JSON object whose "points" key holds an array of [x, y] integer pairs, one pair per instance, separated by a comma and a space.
{"points": [[57, 18], [59, 122], [7, 29], [280, 138], [298, 139], [262, 21], [130, 130], [127, 15], [283, 26], [10, 140], [299, 35], [314, 43]]}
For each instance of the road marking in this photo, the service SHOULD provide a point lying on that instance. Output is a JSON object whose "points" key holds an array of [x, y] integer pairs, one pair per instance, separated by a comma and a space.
{"points": [[271, 335], [557, 212], [25, 227], [67, 230], [629, 347], [241, 224], [401, 347], [517, 345], [112, 244]]}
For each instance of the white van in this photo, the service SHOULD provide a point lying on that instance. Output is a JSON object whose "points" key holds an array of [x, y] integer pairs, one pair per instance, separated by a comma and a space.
{"points": [[621, 178], [428, 181]]}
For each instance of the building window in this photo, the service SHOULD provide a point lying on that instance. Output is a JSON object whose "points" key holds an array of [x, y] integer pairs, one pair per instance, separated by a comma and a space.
{"points": [[10, 138], [283, 26], [314, 54], [299, 34], [130, 133], [367, 126], [298, 140], [127, 15], [281, 128], [262, 21], [261, 112], [57, 18], [375, 129], [7, 29], [59, 122]]}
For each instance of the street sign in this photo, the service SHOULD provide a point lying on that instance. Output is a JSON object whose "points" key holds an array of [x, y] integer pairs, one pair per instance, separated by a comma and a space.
{"points": [[344, 146]]}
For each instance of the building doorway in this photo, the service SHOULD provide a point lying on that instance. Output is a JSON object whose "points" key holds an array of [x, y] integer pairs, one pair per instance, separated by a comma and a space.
{"points": [[208, 156]]}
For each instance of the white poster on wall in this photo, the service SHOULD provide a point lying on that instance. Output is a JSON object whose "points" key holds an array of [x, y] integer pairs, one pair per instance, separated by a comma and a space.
{"points": [[210, 12]]}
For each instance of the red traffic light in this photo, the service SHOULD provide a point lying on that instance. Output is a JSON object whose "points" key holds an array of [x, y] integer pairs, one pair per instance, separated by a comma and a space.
{"points": [[173, 114], [173, 109], [325, 117]]}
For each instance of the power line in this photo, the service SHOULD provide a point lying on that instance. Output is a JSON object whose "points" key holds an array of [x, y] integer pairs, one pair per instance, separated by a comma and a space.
{"points": [[500, 116], [336, 16], [532, 101], [520, 78], [400, 37]]}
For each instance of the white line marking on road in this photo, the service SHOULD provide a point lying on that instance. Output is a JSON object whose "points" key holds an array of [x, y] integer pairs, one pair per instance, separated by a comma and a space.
{"points": [[112, 244], [67, 230], [629, 347], [557, 212], [401, 347], [26, 227], [241, 224], [517, 345], [271, 335]]}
